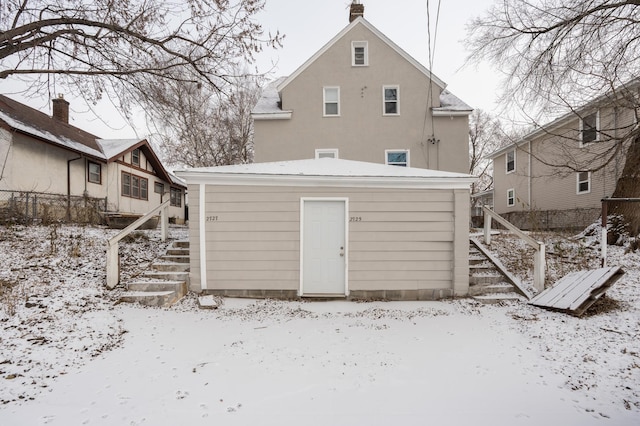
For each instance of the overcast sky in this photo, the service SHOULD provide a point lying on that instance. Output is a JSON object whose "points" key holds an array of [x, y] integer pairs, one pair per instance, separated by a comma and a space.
{"points": [[310, 24]]}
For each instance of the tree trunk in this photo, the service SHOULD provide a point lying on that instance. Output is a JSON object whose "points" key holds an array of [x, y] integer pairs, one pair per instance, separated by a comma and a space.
{"points": [[628, 186]]}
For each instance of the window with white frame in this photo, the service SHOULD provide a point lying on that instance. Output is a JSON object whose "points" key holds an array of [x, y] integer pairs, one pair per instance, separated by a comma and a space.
{"points": [[511, 160], [583, 182], [397, 157], [511, 197], [391, 95], [94, 172], [359, 53], [589, 127], [331, 99], [327, 153]]}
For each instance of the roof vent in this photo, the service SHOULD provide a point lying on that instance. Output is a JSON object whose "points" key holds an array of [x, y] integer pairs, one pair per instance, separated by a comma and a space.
{"points": [[356, 10], [61, 109]]}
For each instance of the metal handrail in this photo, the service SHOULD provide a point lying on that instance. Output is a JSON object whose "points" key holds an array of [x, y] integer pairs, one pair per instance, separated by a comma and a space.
{"points": [[113, 257], [539, 256]]}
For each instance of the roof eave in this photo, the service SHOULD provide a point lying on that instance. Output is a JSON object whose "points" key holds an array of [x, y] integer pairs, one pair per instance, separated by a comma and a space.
{"points": [[284, 115]]}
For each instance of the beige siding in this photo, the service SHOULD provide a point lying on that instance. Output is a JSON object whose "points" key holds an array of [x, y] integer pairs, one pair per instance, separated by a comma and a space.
{"points": [[362, 132], [399, 239]]}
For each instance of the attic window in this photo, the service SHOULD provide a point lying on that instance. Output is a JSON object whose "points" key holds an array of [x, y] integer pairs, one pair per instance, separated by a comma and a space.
{"points": [[589, 128], [511, 160], [359, 54], [135, 157]]}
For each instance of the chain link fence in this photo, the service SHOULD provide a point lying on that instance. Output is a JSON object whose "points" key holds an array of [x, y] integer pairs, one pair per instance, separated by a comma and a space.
{"points": [[27, 207]]}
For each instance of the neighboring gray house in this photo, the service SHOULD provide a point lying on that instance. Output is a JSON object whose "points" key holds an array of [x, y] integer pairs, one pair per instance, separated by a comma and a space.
{"points": [[328, 228], [46, 155], [361, 97], [533, 192]]}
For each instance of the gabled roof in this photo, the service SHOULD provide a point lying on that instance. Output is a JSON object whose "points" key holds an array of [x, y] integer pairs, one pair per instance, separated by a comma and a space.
{"points": [[326, 172], [380, 35], [29, 121]]}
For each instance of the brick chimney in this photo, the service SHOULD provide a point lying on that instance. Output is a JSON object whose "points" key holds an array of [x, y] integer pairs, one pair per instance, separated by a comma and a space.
{"points": [[61, 109], [356, 10]]}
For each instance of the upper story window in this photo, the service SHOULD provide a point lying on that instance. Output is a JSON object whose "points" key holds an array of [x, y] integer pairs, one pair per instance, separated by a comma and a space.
{"points": [[511, 160], [511, 197], [135, 157], [391, 96], [583, 182], [359, 53], [327, 153], [134, 186], [176, 197], [331, 99], [94, 172], [397, 157], [589, 127], [158, 188]]}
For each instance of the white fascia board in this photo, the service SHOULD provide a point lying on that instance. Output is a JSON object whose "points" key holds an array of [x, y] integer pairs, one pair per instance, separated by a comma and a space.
{"points": [[204, 178], [380, 35], [284, 115], [451, 113]]}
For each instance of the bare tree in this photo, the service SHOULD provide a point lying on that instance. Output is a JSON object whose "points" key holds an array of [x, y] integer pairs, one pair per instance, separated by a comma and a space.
{"points": [[198, 127], [556, 55], [110, 46], [485, 136]]}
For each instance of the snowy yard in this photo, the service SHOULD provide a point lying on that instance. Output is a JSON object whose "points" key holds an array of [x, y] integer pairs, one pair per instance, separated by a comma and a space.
{"points": [[70, 355]]}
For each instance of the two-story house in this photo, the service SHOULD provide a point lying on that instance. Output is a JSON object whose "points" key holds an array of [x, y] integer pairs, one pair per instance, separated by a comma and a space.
{"points": [[361, 97], [556, 176], [75, 170]]}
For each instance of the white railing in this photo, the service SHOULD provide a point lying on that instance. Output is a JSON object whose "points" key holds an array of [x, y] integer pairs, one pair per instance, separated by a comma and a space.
{"points": [[539, 256], [113, 257]]}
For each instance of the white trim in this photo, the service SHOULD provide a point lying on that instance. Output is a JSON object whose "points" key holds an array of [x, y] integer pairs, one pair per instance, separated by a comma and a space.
{"points": [[355, 44], [514, 197], [285, 115], [381, 36], [324, 101], [406, 151], [333, 151], [346, 239], [597, 139], [506, 161], [450, 113], [384, 100], [203, 235], [578, 192]]}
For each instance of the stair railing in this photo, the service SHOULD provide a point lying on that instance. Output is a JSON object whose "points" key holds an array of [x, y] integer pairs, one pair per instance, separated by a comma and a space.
{"points": [[539, 256], [113, 257]]}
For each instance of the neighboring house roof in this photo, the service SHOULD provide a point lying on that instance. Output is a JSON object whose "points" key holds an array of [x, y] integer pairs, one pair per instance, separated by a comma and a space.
{"points": [[329, 172], [564, 119], [269, 105], [29, 121]]}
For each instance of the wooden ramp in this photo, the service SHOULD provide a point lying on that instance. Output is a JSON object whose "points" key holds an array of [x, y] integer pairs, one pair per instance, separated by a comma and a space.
{"points": [[575, 292]]}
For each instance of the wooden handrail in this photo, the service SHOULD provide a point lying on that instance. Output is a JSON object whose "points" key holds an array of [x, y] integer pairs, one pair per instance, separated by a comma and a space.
{"points": [[113, 257], [539, 256]]}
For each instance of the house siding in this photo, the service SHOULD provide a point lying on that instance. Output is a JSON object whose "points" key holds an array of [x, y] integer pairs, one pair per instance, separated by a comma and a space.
{"points": [[404, 243], [361, 131]]}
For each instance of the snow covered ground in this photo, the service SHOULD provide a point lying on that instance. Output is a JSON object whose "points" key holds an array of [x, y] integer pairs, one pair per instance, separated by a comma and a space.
{"points": [[70, 355]]}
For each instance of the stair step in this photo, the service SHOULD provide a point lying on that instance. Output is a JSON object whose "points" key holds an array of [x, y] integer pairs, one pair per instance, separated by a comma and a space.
{"points": [[174, 258], [167, 275], [178, 251], [482, 289], [181, 244], [485, 279], [497, 298], [474, 260], [170, 267], [179, 286], [151, 298]]}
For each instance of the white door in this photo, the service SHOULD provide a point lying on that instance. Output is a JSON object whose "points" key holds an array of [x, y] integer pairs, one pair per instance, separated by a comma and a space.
{"points": [[323, 248]]}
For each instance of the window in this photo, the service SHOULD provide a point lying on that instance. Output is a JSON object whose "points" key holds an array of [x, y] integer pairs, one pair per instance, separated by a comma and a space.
{"points": [[584, 182], [391, 100], [94, 173], [511, 160], [135, 157], [176, 197], [398, 157], [511, 197], [331, 99], [359, 53], [589, 125], [158, 188], [327, 153], [134, 186]]}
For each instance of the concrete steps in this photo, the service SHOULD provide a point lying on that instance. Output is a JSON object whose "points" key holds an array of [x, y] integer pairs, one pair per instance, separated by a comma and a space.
{"points": [[486, 282], [165, 283]]}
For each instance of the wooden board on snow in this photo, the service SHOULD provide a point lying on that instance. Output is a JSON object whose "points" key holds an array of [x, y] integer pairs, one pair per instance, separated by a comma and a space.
{"points": [[577, 291]]}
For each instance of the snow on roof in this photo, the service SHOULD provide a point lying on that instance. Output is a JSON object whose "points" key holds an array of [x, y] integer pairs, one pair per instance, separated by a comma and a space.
{"points": [[43, 134], [114, 147], [269, 102], [450, 102], [323, 171]]}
